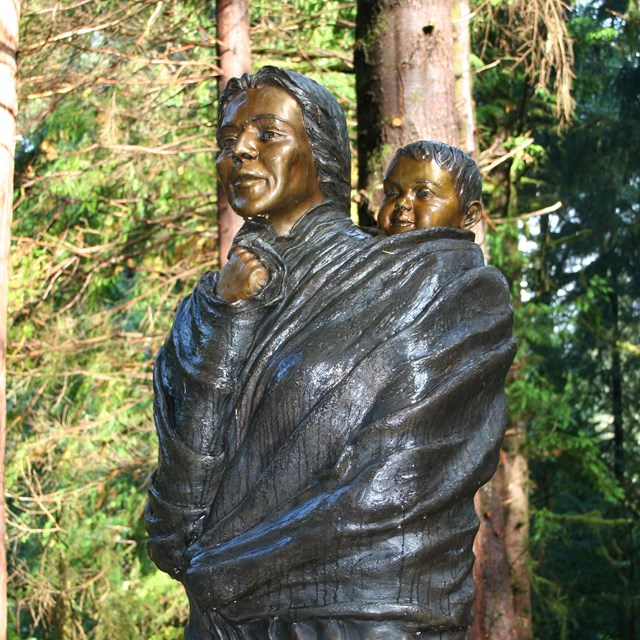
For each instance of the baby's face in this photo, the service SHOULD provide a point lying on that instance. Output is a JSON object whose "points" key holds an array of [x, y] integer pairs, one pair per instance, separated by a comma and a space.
{"points": [[418, 194]]}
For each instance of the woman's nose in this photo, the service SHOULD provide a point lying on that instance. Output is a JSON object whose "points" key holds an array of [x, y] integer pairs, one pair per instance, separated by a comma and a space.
{"points": [[245, 148]]}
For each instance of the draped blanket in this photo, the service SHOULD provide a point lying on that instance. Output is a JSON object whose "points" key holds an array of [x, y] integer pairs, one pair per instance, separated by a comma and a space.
{"points": [[321, 443]]}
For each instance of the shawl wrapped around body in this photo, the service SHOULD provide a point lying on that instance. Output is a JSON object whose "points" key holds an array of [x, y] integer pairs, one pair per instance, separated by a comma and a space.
{"points": [[322, 442]]}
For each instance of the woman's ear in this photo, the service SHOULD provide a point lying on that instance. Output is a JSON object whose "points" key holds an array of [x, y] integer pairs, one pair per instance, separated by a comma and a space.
{"points": [[472, 215]]}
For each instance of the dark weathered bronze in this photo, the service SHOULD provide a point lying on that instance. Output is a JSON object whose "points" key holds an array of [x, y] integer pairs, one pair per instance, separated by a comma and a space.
{"points": [[316, 480], [430, 184]]}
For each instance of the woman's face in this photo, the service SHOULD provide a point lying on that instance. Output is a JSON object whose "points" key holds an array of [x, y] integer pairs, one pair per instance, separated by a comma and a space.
{"points": [[266, 165]]}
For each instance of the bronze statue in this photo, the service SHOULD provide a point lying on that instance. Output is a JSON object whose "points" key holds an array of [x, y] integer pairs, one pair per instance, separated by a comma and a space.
{"points": [[430, 184], [328, 404]]}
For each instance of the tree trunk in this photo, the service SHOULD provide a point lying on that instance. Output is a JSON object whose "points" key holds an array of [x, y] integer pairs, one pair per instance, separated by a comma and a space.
{"points": [[516, 492], [503, 602], [503, 605], [616, 389], [8, 108], [493, 607], [405, 84], [461, 15], [234, 51]]}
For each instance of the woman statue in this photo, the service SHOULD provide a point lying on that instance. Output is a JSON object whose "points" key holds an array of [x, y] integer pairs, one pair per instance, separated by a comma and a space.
{"points": [[327, 404]]}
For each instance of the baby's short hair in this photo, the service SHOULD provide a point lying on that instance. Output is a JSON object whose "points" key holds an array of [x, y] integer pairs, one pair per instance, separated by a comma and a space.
{"points": [[462, 168]]}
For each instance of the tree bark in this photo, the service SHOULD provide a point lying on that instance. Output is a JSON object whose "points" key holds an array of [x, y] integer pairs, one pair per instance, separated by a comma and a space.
{"points": [[234, 51], [405, 84], [461, 15], [502, 607], [616, 389], [503, 602], [8, 108], [494, 609], [517, 528]]}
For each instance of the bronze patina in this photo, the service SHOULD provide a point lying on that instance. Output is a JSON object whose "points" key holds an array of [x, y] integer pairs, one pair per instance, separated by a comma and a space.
{"points": [[430, 184], [329, 403]]}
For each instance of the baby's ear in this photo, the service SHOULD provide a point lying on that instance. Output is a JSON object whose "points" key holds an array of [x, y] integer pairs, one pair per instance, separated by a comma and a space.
{"points": [[472, 215]]}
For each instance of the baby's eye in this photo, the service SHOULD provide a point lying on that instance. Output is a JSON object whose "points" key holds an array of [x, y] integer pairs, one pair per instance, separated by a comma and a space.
{"points": [[391, 192], [423, 194]]}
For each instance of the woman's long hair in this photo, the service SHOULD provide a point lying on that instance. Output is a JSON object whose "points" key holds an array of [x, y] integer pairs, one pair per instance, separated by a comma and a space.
{"points": [[324, 122]]}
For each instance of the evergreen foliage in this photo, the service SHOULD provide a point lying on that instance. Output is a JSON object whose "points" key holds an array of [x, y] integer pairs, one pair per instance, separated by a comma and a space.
{"points": [[574, 273]]}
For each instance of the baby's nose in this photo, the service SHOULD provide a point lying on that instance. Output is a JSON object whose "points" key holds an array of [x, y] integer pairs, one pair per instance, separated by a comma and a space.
{"points": [[404, 203], [403, 212]]}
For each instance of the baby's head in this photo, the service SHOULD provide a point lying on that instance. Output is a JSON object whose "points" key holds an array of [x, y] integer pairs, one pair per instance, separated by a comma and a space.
{"points": [[430, 184]]}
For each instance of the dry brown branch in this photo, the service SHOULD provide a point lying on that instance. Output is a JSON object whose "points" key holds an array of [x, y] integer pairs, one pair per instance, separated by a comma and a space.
{"points": [[58, 8], [35, 348], [74, 430], [152, 18], [166, 284], [123, 376], [164, 150], [61, 174], [118, 81], [536, 38], [486, 67], [127, 15], [545, 211], [77, 297], [488, 168], [546, 50]]}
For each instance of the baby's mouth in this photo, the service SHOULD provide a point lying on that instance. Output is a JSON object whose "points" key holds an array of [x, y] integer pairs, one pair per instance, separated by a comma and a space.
{"points": [[402, 224]]}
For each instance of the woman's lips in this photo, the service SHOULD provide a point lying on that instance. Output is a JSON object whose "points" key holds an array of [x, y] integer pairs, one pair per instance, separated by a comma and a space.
{"points": [[247, 179]]}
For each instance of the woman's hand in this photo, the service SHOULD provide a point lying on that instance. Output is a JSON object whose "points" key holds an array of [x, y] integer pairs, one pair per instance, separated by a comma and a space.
{"points": [[242, 277]]}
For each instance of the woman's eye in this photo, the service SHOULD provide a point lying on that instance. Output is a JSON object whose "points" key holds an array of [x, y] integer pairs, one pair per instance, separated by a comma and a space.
{"points": [[267, 135], [228, 142], [423, 194]]}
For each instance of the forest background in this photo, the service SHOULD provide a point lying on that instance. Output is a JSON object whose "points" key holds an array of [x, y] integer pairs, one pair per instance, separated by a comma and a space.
{"points": [[115, 219]]}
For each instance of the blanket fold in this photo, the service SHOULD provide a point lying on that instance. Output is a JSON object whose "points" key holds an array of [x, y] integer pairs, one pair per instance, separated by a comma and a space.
{"points": [[320, 446]]}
